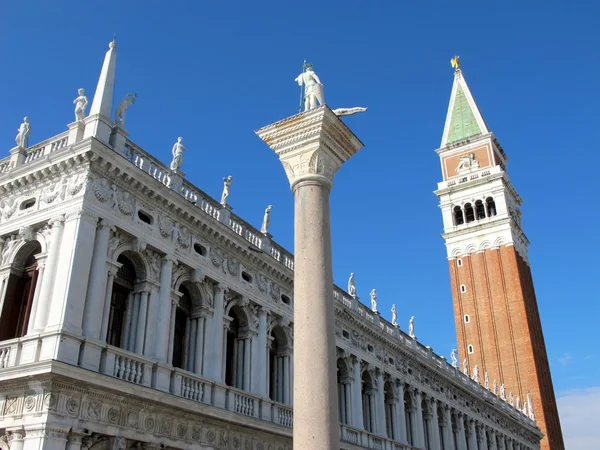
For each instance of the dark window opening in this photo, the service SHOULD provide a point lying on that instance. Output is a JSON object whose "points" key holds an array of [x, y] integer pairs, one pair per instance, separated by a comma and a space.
{"points": [[28, 203], [122, 289], [145, 217], [479, 210], [458, 216], [200, 249], [247, 277], [491, 206], [182, 314], [285, 299], [345, 334], [469, 213]]}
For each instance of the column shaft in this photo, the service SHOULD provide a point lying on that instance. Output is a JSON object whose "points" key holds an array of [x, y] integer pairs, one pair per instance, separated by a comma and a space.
{"points": [[259, 363], [380, 412], [420, 428], [134, 322], [214, 348], [107, 300], [247, 363], [199, 346], [141, 325], [151, 321], [164, 306], [357, 410], [401, 417], [193, 341], [434, 437], [36, 297]]}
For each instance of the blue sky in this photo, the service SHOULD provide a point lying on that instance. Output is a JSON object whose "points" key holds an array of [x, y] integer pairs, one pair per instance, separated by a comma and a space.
{"points": [[213, 72]]}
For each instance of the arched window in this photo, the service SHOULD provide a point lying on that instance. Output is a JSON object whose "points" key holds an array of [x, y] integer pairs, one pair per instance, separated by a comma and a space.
{"points": [[368, 398], [469, 213], [479, 210], [120, 303], [344, 387], [409, 415], [20, 291], [181, 333], [237, 369], [389, 394], [279, 362], [458, 216], [491, 206]]}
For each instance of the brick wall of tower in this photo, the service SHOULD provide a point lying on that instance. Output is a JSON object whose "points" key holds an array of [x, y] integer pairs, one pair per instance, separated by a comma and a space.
{"points": [[505, 330]]}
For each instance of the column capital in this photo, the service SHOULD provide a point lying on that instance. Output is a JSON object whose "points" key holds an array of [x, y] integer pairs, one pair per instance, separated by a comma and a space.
{"points": [[311, 145]]}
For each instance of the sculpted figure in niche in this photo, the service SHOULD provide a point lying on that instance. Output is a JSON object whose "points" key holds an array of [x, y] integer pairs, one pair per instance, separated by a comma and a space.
{"points": [[313, 88], [411, 327], [226, 185], [264, 229], [351, 286], [123, 106], [80, 103], [394, 316], [373, 295], [454, 357], [23, 133], [177, 152], [467, 162]]}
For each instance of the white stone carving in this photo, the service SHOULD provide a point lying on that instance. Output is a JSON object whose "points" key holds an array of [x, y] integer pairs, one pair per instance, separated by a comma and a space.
{"points": [[495, 390], [7, 208], [518, 403], [373, 295], [351, 286], [530, 406], [264, 229], [122, 108], [466, 366], [23, 133], [177, 152], [467, 162], [486, 380], [348, 111], [454, 357], [511, 399], [411, 327], [80, 103], [476, 374], [226, 187], [394, 316], [503, 391], [313, 88]]}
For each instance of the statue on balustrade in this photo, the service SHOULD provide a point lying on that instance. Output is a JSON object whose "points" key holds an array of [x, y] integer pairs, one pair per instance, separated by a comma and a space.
{"points": [[394, 316], [511, 399], [476, 374], [351, 286], [313, 88], [411, 327], [177, 152], [80, 103], [226, 184], [486, 380], [373, 295], [454, 357], [503, 391], [123, 106], [466, 366], [495, 388], [23, 133], [264, 229]]}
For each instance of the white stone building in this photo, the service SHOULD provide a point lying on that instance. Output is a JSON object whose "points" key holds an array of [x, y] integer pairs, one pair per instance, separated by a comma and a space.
{"points": [[138, 312]]}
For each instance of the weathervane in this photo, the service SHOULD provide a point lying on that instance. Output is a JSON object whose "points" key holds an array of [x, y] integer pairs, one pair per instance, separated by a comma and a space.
{"points": [[455, 63]]}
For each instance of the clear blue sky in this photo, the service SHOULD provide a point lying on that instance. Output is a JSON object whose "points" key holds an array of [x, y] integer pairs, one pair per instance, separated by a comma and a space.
{"points": [[213, 72]]}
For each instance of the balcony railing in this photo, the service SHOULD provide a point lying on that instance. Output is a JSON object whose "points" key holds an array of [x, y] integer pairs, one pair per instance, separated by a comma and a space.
{"points": [[364, 439]]}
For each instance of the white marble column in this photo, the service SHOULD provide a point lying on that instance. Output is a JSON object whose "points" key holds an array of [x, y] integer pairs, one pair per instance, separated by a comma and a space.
{"points": [[449, 435], [141, 323], [97, 286], [112, 272], [41, 266], [434, 437], [199, 345], [473, 437], [312, 146], [74, 440], [287, 393], [134, 321], [462, 435], [401, 415], [380, 406], [259, 363], [193, 342], [356, 397], [45, 297], [45, 437], [484, 439], [15, 438], [153, 306], [419, 422], [164, 308], [493, 445], [247, 345], [214, 347], [127, 321]]}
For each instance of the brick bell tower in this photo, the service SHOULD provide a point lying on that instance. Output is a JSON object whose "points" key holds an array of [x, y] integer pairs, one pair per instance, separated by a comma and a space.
{"points": [[498, 326]]}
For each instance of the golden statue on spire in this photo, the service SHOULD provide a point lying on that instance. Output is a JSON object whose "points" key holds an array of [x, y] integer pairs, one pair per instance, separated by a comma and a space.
{"points": [[455, 63]]}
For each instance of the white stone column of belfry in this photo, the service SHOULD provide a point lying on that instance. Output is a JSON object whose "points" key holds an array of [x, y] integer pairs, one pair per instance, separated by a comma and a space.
{"points": [[259, 366], [380, 404], [96, 288], [312, 146], [45, 297], [401, 415], [356, 397], [214, 348], [434, 438], [164, 308]]}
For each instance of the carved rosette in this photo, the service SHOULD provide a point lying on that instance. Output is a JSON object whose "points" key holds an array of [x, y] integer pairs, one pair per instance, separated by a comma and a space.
{"points": [[312, 143]]}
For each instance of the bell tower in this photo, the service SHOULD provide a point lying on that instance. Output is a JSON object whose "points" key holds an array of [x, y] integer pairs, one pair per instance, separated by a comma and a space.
{"points": [[498, 326]]}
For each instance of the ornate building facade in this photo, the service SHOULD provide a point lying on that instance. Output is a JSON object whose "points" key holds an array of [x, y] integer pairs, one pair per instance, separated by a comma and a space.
{"points": [[138, 312], [498, 326]]}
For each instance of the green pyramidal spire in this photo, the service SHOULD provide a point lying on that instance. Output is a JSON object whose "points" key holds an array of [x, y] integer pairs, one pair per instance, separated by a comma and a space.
{"points": [[463, 119]]}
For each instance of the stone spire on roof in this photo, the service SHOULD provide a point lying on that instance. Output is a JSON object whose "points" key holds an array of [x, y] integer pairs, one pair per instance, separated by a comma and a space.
{"points": [[98, 123], [464, 118]]}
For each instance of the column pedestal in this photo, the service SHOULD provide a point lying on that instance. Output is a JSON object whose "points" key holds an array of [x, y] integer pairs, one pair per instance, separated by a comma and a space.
{"points": [[76, 130]]}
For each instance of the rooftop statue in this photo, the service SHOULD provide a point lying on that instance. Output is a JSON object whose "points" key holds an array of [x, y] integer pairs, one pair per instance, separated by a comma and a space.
{"points": [[266, 220], [495, 387], [373, 295], [313, 88], [225, 194], [454, 357], [503, 391], [530, 406], [455, 62], [476, 374], [466, 366], [411, 327], [486, 380], [177, 152], [23, 133], [80, 103], [394, 316], [351, 286], [123, 106]]}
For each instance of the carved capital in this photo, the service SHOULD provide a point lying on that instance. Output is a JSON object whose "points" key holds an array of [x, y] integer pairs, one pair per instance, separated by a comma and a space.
{"points": [[311, 145]]}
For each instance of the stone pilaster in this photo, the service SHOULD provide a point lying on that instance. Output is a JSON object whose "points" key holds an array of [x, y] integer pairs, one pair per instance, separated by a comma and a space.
{"points": [[311, 147]]}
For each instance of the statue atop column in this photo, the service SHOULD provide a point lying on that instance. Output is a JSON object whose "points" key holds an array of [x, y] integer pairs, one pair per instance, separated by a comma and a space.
{"points": [[226, 185], [394, 316], [23, 133], [264, 229], [80, 103], [351, 286], [373, 295], [411, 327], [313, 88], [123, 106], [177, 152], [454, 357]]}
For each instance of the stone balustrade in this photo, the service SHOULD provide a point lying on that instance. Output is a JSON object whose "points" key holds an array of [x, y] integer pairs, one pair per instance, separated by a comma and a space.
{"points": [[364, 439], [471, 176]]}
